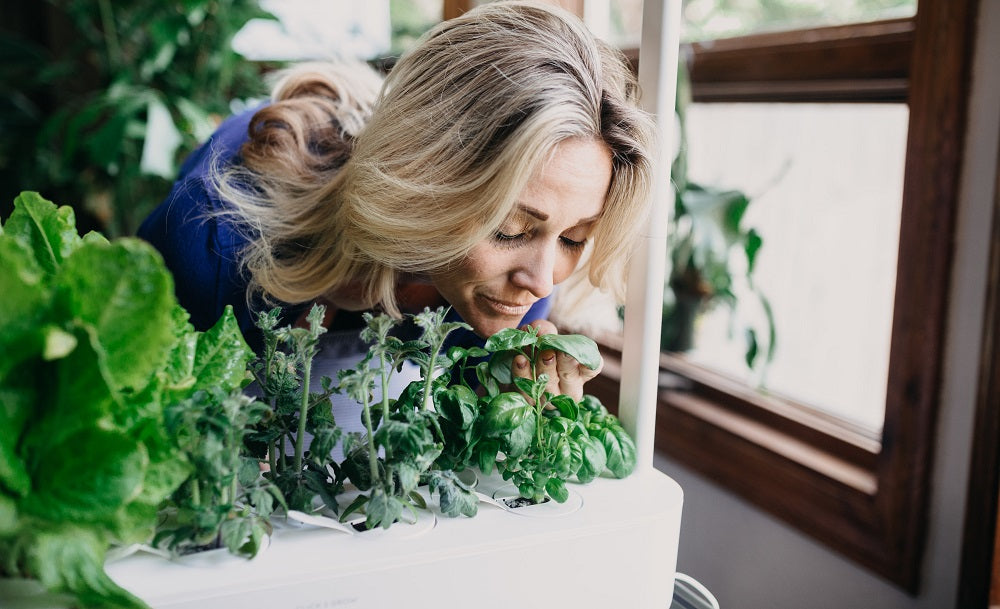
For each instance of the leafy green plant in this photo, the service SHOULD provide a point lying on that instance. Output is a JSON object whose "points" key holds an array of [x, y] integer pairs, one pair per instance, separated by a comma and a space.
{"points": [[92, 358], [440, 425], [128, 89], [711, 252], [548, 439], [406, 430], [283, 373], [225, 502]]}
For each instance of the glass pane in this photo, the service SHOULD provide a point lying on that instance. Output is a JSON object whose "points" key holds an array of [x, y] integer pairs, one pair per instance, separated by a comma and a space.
{"points": [[316, 29], [710, 19], [328, 29], [825, 187], [410, 19]]}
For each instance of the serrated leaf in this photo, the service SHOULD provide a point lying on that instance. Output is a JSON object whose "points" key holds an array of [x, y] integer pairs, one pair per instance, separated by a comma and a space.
{"points": [[122, 294], [45, 230]]}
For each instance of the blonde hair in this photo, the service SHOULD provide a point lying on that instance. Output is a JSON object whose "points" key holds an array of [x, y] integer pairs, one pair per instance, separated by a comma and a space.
{"points": [[462, 123]]}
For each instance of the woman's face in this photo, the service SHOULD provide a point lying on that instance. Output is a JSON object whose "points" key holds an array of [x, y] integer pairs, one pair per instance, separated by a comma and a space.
{"points": [[538, 247]]}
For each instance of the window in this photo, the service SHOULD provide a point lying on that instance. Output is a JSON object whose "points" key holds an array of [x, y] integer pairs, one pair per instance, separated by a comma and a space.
{"points": [[861, 492], [859, 486]]}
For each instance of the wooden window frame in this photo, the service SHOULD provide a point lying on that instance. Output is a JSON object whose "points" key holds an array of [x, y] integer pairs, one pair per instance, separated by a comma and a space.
{"points": [[864, 496]]}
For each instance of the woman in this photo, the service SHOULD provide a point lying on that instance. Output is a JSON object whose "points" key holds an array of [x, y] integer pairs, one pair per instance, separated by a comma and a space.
{"points": [[496, 153]]}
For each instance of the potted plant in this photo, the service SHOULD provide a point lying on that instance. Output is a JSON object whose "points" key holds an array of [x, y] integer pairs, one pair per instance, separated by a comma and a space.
{"points": [[96, 352], [710, 252]]}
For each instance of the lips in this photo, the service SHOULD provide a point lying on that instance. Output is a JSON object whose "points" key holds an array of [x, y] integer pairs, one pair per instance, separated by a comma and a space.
{"points": [[509, 309]]}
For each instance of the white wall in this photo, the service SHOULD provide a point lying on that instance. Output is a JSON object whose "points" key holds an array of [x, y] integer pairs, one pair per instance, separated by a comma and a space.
{"points": [[750, 560]]}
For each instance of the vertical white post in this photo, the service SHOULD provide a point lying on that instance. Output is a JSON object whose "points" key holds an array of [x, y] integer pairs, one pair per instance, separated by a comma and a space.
{"points": [[658, 56]]}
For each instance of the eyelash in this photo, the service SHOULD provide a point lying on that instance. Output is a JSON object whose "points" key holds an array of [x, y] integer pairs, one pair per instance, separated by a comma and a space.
{"points": [[512, 241]]}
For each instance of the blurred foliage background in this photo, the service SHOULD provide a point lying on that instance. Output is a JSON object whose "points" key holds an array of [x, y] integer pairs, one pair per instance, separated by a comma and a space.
{"points": [[105, 98]]}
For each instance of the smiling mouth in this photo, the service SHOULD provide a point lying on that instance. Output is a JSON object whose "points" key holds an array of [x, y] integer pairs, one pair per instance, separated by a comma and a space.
{"points": [[506, 308]]}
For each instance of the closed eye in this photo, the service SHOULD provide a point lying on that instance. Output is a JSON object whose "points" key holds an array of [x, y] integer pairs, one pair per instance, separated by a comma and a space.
{"points": [[570, 244], [509, 240]]}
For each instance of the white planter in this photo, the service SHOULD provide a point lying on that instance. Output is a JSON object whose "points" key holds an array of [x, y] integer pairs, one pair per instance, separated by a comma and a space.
{"points": [[624, 531]]}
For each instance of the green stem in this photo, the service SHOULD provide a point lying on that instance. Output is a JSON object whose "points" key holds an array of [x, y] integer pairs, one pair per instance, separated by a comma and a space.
{"points": [[429, 373], [303, 413], [385, 384], [272, 458], [372, 458]]}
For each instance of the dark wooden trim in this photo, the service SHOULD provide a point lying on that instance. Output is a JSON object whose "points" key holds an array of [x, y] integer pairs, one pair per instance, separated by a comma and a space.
{"points": [[980, 566], [866, 62], [867, 500], [939, 87], [454, 8]]}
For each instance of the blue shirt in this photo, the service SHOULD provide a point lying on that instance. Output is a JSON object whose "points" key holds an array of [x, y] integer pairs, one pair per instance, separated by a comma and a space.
{"points": [[202, 250]]}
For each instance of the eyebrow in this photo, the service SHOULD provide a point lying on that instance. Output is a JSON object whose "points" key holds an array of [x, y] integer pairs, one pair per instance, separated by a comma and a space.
{"points": [[540, 215]]}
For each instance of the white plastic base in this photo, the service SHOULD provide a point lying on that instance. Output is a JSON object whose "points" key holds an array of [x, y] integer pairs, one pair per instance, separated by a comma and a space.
{"points": [[618, 549]]}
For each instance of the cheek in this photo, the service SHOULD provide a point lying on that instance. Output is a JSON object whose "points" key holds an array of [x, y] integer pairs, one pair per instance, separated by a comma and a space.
{"points": [[479, 266], [565, 265]]}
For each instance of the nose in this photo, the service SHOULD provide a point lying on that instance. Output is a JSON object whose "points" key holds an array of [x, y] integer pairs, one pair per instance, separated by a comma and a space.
{"points": [[535, 271]]}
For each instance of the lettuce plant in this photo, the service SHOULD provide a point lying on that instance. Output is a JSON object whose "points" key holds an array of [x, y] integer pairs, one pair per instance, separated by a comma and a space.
{"points": [[95, 348]]}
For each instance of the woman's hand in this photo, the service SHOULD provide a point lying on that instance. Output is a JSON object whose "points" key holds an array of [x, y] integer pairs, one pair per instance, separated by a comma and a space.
{"points": [[566, 375]]}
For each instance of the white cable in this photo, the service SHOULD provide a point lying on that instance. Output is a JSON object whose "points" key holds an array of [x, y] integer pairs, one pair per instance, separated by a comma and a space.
{"points": [[692, 594]]}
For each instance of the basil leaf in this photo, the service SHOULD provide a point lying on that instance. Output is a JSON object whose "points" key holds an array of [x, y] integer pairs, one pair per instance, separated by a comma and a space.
{"points": [[505, 413], [620, 450], [581, 348], [510, 339], [566, 406]]}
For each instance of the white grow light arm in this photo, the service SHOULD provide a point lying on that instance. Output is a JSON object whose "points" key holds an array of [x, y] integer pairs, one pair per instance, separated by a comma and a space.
{"points": [[658, 56]]}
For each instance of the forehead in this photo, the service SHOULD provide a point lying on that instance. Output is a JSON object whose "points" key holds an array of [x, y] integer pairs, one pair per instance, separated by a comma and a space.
{"points": [[572, 181]]}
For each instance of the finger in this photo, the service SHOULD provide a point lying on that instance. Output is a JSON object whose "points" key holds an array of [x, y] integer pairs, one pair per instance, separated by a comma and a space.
{"points": [[543, 326], [573, 375], [520, 368], [545, 363]]}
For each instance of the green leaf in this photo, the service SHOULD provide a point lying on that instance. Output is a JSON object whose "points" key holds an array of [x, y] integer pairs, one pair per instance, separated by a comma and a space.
{"points": [[382, 509], [566, 406], [409, 476], [505, 413], [23, 307], [222, 354], [594, 459], [74, 397], [123, 295], [486, 454], [87, 477], [518, 441], [511, 339], [620, 450], [556, 489], [400, 436], [8, 517], [581, 348], [71, 559], [457, 404], [45, 230], [454, 499]]}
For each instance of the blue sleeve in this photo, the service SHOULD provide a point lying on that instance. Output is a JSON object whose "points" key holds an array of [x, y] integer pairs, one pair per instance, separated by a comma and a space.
{"points": [[202, 251]]}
